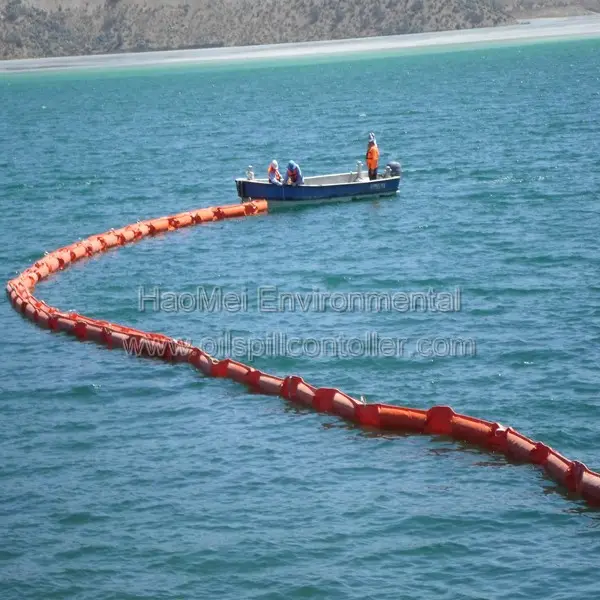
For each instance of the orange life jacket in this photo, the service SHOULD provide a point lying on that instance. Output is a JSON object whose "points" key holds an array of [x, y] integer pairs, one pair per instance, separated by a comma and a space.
{"points": [[373, 157], [271, 170]]}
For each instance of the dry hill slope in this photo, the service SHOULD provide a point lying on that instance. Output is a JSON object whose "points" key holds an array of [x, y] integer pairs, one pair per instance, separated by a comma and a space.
{"points": [[522, 9], [36, 28]]}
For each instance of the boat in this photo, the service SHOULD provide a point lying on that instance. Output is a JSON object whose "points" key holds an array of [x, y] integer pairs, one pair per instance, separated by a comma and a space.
{"points": [[322, 188]]}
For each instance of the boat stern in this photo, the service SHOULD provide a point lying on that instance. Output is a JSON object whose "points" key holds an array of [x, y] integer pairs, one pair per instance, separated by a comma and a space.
{"points": [[239, 186]]}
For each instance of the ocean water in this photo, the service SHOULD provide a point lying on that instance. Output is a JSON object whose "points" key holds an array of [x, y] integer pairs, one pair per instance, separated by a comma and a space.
{"points": [[128, 478]]}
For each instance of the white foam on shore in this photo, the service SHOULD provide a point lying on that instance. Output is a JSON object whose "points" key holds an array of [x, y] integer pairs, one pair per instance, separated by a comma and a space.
{"points": [[525, 31]]}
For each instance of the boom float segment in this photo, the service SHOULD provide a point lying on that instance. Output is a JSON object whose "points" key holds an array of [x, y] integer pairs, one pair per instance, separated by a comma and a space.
{"points": [[438, 420]]}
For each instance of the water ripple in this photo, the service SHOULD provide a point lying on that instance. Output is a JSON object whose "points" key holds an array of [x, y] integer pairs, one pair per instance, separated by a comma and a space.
{"points": [[124, 478]]}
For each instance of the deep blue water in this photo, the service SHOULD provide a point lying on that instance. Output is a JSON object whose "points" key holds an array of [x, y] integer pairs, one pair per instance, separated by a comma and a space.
{"points": [[127, 478]]}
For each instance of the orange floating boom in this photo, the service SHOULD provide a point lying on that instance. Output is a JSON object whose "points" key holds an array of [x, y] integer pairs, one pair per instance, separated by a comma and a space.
{"points": [[438, 420]]}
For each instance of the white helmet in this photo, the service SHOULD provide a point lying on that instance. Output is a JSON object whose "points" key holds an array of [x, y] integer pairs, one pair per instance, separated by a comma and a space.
{"points": [[274, 164]]}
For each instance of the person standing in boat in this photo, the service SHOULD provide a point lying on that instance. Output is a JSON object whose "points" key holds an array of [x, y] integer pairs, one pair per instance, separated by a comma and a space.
{"points": [[274, 174], [293, 174], [372, 157]]}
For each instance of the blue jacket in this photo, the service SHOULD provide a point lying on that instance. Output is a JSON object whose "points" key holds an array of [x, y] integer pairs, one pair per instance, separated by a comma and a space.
{"points": [[295, 173]]}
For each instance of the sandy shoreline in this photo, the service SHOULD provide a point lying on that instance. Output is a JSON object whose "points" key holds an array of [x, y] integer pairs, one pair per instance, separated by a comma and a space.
{"points": [[531, 30]]}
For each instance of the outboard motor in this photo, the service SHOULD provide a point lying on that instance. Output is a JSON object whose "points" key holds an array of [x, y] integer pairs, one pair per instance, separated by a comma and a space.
{"points": [[358, 170], [394, 169]]}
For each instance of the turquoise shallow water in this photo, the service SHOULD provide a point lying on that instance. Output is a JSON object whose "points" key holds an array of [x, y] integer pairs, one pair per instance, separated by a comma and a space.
{"points": [[125, 478]]}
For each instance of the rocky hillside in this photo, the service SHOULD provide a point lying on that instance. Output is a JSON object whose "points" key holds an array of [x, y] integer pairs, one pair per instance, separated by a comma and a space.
{"points": [[36, 28], [523, 9]]}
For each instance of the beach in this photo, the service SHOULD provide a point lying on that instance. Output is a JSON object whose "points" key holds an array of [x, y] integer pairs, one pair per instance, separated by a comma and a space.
{"points": [[533, 30]]}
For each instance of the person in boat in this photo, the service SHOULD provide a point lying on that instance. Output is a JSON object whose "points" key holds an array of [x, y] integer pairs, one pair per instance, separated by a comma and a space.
{"points": [[274, 174], [293, 175], [372, 157]]}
